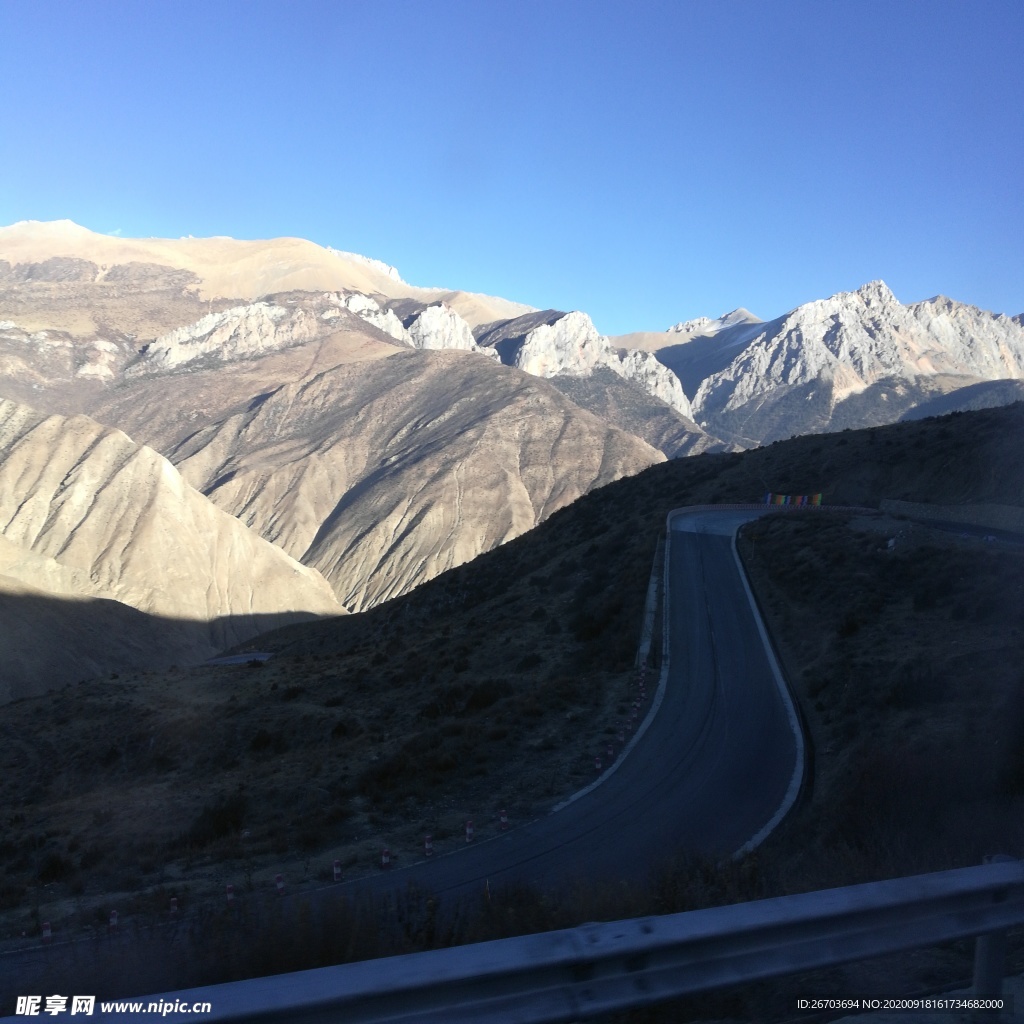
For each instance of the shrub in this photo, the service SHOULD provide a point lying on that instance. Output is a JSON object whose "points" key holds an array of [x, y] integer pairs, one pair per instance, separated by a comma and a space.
{"points": [[529, 661], [489, 691], [347, 728], [54, 868], [216, 820]]}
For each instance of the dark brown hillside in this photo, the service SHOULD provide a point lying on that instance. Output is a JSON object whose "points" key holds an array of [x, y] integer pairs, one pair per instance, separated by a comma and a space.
{"points": [[495, 684]]}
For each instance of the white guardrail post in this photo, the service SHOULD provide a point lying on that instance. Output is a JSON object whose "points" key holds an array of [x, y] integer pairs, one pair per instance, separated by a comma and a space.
{"points": [[595, 969]]}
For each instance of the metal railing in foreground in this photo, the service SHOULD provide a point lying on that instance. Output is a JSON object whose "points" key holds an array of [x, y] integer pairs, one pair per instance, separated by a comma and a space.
{"points": [[596, 968]]}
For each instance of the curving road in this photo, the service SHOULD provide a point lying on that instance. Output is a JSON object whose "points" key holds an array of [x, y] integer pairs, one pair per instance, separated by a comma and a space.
{"points": [[719, 763]]}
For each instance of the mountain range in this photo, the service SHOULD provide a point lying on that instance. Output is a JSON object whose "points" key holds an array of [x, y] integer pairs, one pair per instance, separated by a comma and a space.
{"points": [[211, 432]]}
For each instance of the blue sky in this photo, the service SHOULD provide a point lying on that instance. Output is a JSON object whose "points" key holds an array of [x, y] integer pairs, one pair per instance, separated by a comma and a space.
{"points": [[647, 162]]}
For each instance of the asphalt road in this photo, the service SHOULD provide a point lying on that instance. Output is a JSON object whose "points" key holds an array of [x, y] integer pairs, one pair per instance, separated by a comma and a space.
{"points": [[711, 771]]}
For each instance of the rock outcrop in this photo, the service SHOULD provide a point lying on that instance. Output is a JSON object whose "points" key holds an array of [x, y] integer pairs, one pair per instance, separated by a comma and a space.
{"points": [[439, 327], [550, 343], [237, 333], [370, 311]]}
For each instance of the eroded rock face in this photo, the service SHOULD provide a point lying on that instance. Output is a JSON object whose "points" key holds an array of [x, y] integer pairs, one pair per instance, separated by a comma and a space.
{"points": [[558, 343], [370, 311], [439, 327], [116, 520], [969, 339], [861, 348], [237, 333], [383, 474], [655, 379], [550, 343]]}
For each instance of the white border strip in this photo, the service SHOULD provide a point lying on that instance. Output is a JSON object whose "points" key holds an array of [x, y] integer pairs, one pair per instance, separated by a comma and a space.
{"points": [[794, 721]]}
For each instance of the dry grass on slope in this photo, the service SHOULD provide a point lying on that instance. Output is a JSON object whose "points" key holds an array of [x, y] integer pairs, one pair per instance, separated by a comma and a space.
{"points": [[492, 684], [908, 664]]}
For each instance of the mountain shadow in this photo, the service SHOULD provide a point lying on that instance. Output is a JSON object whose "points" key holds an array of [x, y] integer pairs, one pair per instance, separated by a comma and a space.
{"points": [[49, 642]]}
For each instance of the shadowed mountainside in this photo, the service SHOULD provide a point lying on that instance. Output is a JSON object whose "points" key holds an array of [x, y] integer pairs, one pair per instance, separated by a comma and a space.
{"points": [[493, 684], [85, 512], [50, 642]]}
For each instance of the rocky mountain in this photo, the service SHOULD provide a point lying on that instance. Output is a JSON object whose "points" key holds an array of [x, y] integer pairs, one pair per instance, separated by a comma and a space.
{"points": [[379, 433], [550, 343], [367, 433], [381, 470], [855, 359], [51, 272], [85, 512], [705, 327]]}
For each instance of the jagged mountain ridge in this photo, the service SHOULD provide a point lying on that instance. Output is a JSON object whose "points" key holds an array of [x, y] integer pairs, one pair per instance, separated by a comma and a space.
{"points": [[339, 421], [284, 456], [719, 382], [549, 344], [842, 357], [855, 359], [381, 471]]}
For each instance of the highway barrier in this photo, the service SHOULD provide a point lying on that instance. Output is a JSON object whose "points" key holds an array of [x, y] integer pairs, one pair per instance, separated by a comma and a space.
{"points": [[583, 972]]}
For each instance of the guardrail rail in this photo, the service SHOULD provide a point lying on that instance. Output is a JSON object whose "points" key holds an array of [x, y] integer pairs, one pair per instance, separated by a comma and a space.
{"points": [[579, 973]]}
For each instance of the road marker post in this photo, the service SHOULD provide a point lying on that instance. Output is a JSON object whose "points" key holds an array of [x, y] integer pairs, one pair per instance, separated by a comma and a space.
{"points": [[47, 934], [385, 858], [279, 884], [469, 831], [337, 870], [504, 821], [428, 846]]}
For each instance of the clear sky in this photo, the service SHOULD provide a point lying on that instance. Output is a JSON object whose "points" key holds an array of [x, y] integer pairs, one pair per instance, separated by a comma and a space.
{"points": [[644, 161]]}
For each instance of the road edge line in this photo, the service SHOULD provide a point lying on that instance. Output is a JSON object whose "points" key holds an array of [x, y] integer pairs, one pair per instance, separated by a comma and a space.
{"points": [[796, 781]]}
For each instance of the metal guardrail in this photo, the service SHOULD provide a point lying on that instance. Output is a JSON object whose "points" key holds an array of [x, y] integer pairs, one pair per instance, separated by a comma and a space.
{"points": [[598, 968]]}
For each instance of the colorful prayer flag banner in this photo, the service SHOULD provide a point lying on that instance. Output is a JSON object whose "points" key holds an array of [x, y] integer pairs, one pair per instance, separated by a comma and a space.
{"points": [[792, 499]]}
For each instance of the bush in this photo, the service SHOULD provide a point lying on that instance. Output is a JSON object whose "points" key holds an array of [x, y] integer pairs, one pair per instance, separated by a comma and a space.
{"points": [[221, 818], [489, 691], [347, 728], [54, 868], [529, 661]]}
